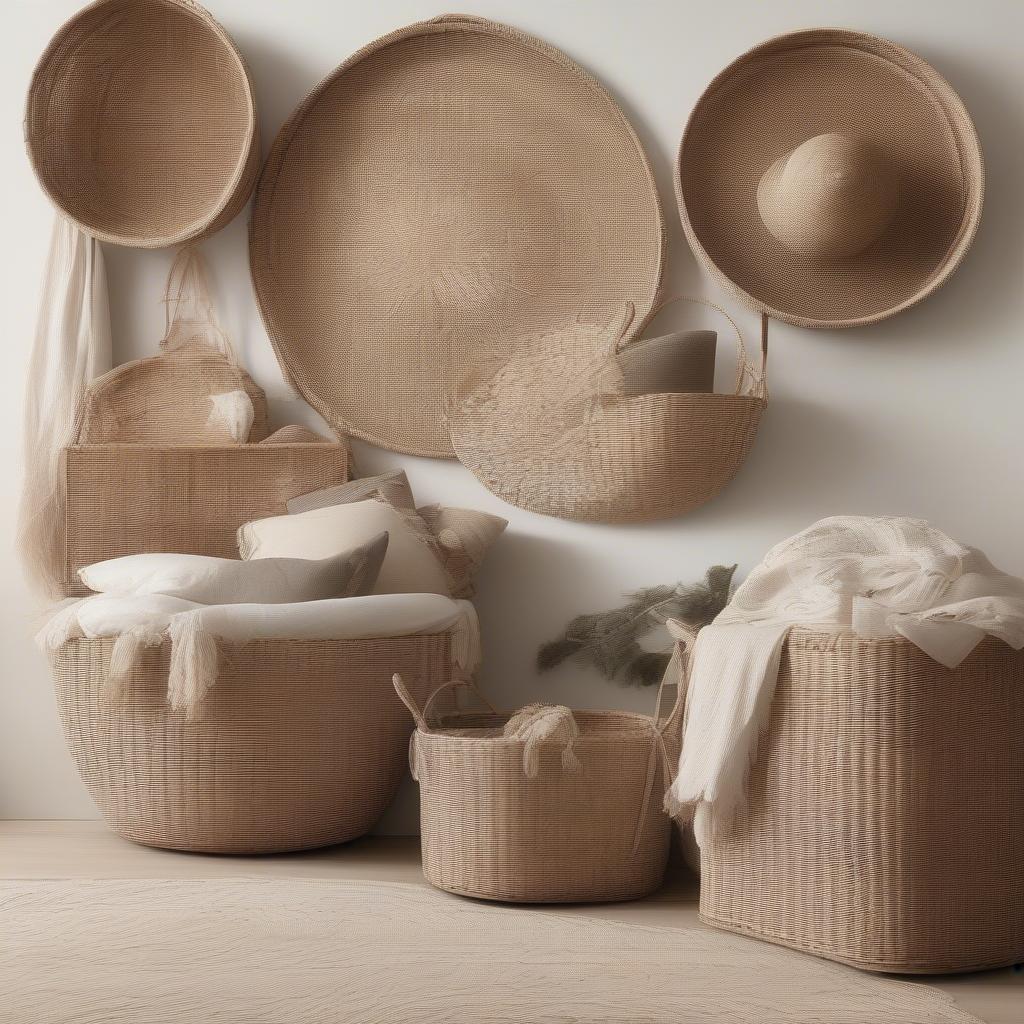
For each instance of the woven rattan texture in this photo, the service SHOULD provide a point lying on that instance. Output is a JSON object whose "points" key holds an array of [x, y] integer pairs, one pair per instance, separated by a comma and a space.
{"points": [[140, 122], [885, 825], [774, 98], [165, 399], [552, 431], [491, 832], [126, 499], [302, 743], [451, 186]]}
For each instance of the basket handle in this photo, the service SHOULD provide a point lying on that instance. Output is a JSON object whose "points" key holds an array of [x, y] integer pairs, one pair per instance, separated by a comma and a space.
{"points": [[679, 672], [750, 380], [420, 715], [188, 288]]}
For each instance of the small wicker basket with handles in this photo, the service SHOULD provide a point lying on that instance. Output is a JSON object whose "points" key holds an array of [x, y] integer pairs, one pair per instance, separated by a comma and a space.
{"points": [[575, 817]]}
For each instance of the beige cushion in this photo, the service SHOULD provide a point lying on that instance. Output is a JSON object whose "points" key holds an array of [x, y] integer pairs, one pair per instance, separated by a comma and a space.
{"points": [[465, 536], [674, 364], [393, 487], [411, 565], [350, 570]]}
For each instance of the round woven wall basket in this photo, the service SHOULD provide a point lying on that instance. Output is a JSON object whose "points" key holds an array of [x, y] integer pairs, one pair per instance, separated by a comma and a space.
{"points": [[301, 743], [551, 431], [141, 125], [453, 183], [864, 161]]}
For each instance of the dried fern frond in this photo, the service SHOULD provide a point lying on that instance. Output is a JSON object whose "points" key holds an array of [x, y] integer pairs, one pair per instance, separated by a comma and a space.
{"points": [[610, 641]]}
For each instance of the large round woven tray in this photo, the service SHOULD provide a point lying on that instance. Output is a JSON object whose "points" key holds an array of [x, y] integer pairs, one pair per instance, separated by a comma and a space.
{"points": [[140, 123], [453, 185]]}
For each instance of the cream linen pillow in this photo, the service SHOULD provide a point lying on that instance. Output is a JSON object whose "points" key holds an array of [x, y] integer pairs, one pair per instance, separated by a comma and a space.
{"points": [[351, 569], [411, 565]]}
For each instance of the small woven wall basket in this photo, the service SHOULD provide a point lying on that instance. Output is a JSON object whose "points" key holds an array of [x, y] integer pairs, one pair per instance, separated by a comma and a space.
{"points": [[551, 431], [594, 834], [302, 743], [123, 499], [140, 123], [453, 185], [885, 823]]}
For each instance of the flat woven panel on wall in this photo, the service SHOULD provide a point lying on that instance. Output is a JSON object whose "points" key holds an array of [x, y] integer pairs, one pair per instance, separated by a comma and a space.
{"points": [[449, 188], [141, 124], [130, 498]]}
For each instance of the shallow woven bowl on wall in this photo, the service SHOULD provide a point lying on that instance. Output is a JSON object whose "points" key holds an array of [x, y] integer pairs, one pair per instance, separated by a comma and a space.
{"points": [[302, 743], [811, 84], [140, 123], [453, 183]]}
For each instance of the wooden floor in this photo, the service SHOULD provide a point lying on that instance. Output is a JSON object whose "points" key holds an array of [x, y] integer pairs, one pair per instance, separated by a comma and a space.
{"points": [[86, 849]]}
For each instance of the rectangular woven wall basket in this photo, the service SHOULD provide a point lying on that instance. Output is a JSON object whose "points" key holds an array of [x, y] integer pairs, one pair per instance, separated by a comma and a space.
{"points": [[885, 821], [129, 498]]}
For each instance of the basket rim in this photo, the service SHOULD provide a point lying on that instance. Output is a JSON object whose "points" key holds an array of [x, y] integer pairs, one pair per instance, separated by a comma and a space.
{"points": [[643, 726], [198, 226]]}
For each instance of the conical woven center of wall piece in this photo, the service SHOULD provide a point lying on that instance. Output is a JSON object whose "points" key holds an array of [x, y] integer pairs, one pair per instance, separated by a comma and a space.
{"points": [[449, 188]]}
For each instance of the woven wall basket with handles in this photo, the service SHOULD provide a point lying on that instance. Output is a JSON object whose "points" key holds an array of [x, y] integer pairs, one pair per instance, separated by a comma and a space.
{"points": [[830, 178], [302, 743], [587, 826], [140, 123], [451, 187], [550, 430], [884, 825]]}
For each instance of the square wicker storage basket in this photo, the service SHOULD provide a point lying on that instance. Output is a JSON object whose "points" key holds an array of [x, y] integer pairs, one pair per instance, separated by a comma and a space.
{"points": [[123, 499], [885, 822]]}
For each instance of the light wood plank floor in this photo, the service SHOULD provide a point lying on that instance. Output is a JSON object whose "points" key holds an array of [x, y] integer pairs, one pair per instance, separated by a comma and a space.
{"points": [[86, 849]]}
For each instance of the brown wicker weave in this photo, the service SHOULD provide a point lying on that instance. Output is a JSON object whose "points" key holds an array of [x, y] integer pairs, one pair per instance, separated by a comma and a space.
{"points": [[824, 83], [597, 834], [128, 498], [552, 431], [140, 123], [885, 825], [302, 743], [450, 187]]}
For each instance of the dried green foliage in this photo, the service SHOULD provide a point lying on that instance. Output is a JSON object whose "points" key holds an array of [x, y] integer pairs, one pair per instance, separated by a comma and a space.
{"points": [[610, 641]]}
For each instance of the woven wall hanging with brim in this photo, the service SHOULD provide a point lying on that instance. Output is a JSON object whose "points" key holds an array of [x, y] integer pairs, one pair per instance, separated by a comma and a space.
{"points": [[451, 187], [830, 178], [140, 123], [553, 430]]}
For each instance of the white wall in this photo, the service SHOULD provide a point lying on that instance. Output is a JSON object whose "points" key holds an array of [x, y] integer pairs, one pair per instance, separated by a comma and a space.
{"points": [[922, 414]]}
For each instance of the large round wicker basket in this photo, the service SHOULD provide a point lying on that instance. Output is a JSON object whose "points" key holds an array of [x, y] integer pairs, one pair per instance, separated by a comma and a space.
{"points": [[885, 821], [597, 834], [302, 743], [141, 124]]}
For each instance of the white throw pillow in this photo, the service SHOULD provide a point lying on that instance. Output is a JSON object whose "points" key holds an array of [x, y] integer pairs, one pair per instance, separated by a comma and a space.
{"points": [[349, 570], [410, 565]]}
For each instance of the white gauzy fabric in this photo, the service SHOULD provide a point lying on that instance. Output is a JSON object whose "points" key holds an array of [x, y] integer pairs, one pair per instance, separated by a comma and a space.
{"points": [[881, 576], [72, 346], [195, 635], [233, 412]]}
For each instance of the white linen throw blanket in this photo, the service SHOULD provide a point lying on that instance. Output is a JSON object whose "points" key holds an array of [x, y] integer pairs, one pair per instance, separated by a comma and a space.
{"points": [[197, 632], [873, 576]]}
